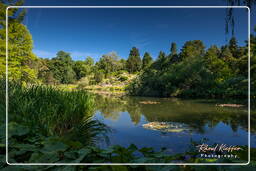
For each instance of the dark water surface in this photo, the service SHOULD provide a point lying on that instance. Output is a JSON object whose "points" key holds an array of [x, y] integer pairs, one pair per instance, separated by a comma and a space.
{"points": [[202, 118]]}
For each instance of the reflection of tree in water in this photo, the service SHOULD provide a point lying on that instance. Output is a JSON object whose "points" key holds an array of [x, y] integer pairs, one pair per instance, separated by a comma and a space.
{"points": [[196, 115], [110, 107], [133, 108], [190, 112]]}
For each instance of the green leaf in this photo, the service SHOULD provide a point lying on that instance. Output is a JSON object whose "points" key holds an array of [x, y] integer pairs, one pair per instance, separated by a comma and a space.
{"points": [[25, 147], [54, 146], [70, 155], [44, 157], [15, 129]]}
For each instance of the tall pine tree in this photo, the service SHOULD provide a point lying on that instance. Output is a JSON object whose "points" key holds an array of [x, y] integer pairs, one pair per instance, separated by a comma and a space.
{"points": [[147, 60], [233, 47], [133, 63]]}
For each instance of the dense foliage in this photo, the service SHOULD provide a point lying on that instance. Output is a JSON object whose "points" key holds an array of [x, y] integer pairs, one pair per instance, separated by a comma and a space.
{"points": [[21, 60], [27, 146], [196, 72]]}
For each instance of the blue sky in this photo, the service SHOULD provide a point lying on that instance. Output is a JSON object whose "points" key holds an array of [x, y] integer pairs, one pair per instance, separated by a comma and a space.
{"points": [[94, 32]]}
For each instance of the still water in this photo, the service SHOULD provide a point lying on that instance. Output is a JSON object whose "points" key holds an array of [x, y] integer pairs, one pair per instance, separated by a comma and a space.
{"points": [[200, 118]]}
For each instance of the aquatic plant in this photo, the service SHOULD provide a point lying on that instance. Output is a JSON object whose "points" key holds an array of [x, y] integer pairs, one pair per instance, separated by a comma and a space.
{"points": [[53, 112]]}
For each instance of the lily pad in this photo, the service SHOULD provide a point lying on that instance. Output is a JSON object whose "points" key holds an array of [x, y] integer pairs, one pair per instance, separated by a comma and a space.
{"points": [[166, 126]]}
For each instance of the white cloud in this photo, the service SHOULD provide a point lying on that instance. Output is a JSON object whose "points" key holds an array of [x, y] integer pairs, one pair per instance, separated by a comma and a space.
{"points": [[44, 54], [76, 55]]}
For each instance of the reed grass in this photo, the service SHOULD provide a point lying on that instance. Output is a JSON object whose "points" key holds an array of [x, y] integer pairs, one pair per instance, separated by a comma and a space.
{"points": [[52, 111]]}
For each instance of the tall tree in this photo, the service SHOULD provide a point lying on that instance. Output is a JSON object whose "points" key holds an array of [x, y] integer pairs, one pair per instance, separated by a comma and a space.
{"points": [[173, 49], [81, 69], [62, 68], [89, 61], [217, 67], [225, 53], [109, 63], [133, 62], [20, 45], [228, 57], [161, 56], [191, 49], [161, 61], [233, 47], [147, 60], [44, 72], [230, 17]]}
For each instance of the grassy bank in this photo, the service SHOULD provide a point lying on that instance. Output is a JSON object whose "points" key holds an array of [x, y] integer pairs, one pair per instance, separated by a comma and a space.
{"points": [[115, 83]]}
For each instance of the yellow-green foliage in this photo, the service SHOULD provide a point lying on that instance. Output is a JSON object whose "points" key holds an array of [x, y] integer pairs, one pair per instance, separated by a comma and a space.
{"points": [[20, 44]]}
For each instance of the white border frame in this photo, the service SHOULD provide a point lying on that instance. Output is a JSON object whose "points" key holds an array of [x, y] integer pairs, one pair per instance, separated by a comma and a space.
{"points": [[249, 143]]}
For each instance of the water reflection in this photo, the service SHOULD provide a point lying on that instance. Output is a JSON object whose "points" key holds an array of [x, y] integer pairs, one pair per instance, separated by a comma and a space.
{"points": [[128, 114], [191, 112]]}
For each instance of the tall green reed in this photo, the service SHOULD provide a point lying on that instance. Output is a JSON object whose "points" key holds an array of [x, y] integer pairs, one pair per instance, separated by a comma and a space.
{"points": [[52, 111]]}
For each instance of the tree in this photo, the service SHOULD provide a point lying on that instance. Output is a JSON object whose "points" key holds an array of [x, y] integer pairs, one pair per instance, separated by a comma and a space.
{"points": [[219, 70], [20, 45], [62, 68], [147, 60], [173, 56], [233, 47], [20, 55], [161, 62], [133, 63], [89, 61], [122, 64], [173, 49], [44, 72], [253, 64], [14, 14], [230, 18], [81, 69], [192, 49], [109, 63]]}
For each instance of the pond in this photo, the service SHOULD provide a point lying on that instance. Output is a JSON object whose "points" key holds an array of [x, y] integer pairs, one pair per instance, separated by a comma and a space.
{"points": [[130, 119]]}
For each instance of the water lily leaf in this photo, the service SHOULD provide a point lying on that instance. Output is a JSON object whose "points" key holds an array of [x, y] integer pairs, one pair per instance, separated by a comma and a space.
{"points": [[84, 151], [54, 146], [11, 168], [15, 129], [74, 144], [34, 157], [70, 155], [25, 147], [82, 154], [44, 157]]}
